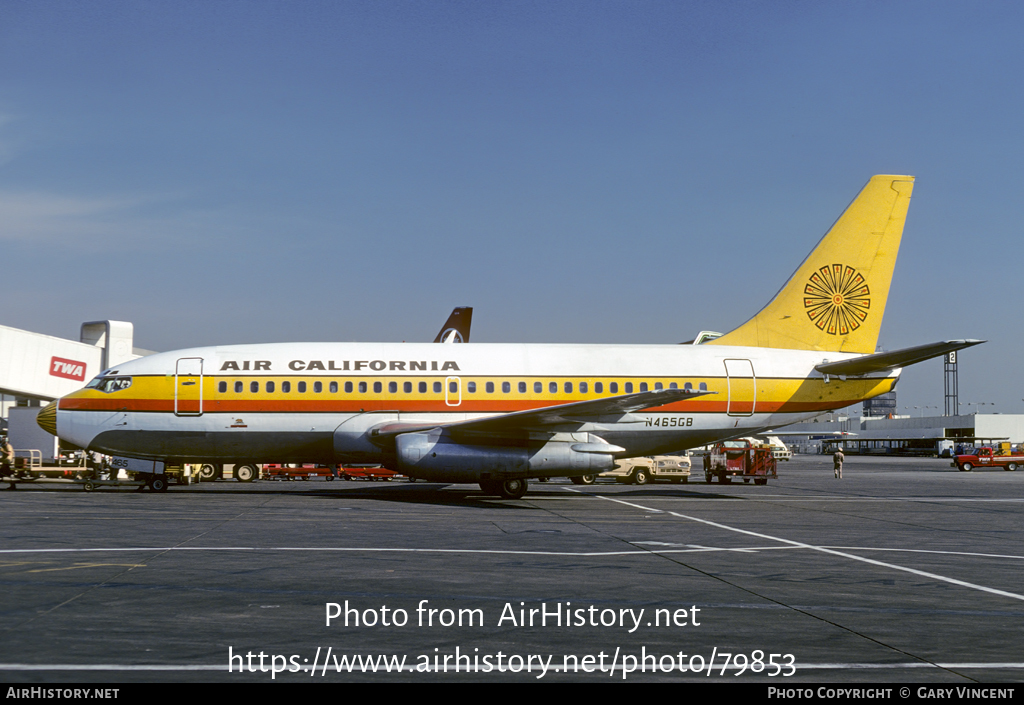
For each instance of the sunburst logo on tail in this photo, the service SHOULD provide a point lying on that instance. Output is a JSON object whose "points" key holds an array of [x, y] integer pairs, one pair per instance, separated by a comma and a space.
{"points": [[837, 299]]}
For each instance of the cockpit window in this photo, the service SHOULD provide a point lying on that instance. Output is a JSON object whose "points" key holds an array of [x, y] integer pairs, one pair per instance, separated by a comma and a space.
{"points": [[110, 384]]}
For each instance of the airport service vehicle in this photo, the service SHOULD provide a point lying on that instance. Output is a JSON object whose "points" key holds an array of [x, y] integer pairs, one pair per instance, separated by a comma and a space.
{"points": [[371, 473], [985, 456], [640, 471], [780, 451], [294, 471], [631, 471], [243, 472], [674, 468], [741, 459], [502, 414]]}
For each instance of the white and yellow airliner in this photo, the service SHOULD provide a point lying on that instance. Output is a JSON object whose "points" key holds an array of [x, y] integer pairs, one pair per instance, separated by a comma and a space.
{"points": [[498, 414]]}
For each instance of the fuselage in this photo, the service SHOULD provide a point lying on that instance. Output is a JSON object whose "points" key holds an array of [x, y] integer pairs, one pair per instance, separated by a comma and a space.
{"points": [[320, 402]]}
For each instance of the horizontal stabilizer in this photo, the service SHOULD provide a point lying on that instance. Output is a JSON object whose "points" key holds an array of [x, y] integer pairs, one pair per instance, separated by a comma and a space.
{"points": [[881, 362]]}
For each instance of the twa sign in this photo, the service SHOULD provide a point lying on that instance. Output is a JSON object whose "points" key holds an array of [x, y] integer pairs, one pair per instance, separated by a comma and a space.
{"points": [[68, 369]]}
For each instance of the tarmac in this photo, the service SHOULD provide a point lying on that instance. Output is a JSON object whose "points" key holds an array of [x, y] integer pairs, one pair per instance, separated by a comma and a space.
{"points": [[904, 571]]}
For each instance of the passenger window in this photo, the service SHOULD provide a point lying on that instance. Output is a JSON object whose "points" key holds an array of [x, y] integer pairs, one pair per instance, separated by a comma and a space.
{"points": [[672, 385], [453, 387], [658, 385], [348, 387], [613, 387], [423, 387], [522, 387], [629, 387], [490, 387], [643, 386], [583, 387], [286, 387], [407, 387], [362, 387], [538, 388], [703, 387], [238, 387], [392, 387], [378, 387], [437, 387], [254, 387], [470, 387], [688, 386], [506, 387], [568, 387], [302, 387], [318, 387], [553, 387], [334, 387], [222, 387], [270, 387], [598, 387]]}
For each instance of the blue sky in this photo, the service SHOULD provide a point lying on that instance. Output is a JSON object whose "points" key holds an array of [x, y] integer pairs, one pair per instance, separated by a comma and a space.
{"points": [[231, 172]]}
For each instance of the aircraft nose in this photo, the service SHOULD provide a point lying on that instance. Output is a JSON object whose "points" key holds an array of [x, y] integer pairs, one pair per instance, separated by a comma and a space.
{"points": [[47, 418]]}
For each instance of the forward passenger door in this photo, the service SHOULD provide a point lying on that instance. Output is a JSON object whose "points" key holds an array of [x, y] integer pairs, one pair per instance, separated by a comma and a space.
{"points": [[188, 386]]}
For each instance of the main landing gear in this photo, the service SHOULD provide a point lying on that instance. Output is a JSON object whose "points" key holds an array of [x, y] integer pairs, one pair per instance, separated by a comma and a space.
{"points": [[513, 488]]}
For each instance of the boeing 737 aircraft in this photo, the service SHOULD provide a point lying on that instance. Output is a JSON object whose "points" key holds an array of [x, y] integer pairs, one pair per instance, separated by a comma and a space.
{"points": [[499, 414]]}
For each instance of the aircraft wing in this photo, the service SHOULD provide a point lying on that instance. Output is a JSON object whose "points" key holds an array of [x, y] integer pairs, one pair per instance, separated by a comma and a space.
{"points": [[881, 362], [576, 412], [538, 419]]}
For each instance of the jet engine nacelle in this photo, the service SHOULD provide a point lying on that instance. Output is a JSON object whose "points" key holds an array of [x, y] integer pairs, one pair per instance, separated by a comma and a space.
{"points": [[435, 456]]}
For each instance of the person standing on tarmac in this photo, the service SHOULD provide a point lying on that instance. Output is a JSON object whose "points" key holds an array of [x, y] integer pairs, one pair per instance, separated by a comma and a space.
{"points": [[837, 462], [7, 461]]}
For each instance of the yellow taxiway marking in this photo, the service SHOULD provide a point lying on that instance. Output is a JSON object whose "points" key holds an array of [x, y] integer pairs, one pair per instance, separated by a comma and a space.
{"points": [[76, 566]]}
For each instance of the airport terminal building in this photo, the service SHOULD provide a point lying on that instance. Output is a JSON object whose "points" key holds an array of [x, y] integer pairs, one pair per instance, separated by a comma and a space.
{"points": [[917, 435]]}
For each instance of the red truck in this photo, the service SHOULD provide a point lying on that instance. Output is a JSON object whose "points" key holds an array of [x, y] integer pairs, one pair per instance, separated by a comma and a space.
{"points": [[276, 471], [740, 458], [986, 457]]}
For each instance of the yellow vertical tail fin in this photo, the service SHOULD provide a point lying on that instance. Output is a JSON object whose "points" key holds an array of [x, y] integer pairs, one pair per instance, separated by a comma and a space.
{"points": [[836, 298]]}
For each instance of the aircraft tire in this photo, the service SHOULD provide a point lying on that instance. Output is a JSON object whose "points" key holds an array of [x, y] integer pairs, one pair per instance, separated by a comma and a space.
{"points": [[246, 473], [513, 488]]}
